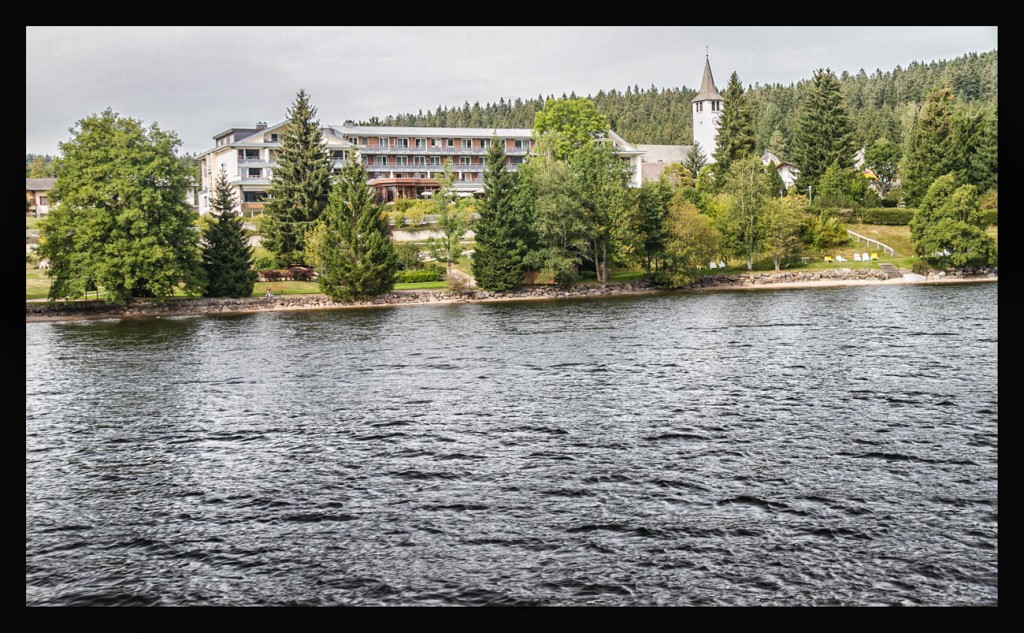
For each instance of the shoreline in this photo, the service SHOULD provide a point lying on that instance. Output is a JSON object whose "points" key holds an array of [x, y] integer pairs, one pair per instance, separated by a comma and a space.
{"points": [[149, 309]]}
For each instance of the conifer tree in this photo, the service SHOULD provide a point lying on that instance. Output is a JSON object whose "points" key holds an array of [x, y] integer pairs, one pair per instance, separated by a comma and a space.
{"points": [[696, 159], [301, 185], [823, 131], [227, 256], [735, 127], [934, 150], [357, 258], [501, 230]]}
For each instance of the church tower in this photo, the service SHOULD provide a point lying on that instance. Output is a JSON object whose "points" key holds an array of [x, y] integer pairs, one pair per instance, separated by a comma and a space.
{"points": [[707, 109]]}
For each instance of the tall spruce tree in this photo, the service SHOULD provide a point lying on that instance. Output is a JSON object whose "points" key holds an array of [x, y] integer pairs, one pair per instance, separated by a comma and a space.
{"points": [[227, 256], [978, 135], [501, 230], [301, 185], [823, 131], [934, 150], [357, 258], [736, 138]]}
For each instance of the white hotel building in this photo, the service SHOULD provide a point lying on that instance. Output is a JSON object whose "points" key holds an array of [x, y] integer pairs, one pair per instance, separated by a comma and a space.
{"points": [[402, 162]]}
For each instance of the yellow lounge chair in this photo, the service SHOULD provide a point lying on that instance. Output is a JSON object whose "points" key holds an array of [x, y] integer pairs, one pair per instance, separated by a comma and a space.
{"points": [[828, 260], [874, 257]]}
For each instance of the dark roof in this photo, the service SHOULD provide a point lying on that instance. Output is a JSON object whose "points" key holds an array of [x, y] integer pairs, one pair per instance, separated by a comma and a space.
{"points": [[708, 92], [39, 184]]}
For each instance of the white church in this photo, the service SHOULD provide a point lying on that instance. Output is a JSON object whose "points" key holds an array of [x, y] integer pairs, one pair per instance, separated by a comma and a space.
{"points": [[707, 110]]}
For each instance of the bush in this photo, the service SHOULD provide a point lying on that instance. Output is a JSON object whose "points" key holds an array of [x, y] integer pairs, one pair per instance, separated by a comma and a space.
{"points": [[920, 267], [887, 216], [825, 231], [300, 273], [273, 275], [263, 263], [432, 273], [408, 255], [990, 216]]}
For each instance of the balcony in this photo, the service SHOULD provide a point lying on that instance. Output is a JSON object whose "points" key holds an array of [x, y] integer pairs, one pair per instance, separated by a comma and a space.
{"points": [[437, 151]]}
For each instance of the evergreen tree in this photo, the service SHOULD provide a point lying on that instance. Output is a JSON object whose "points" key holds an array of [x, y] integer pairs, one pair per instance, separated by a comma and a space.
{"points": [[122, 223], [501, 229], [301, 185], [777, 145], [357, 258], [883, 158], [934, 148], [227, 256], [978, 139], [648, 227], [696, 159], [823, 132], [735, 127]]}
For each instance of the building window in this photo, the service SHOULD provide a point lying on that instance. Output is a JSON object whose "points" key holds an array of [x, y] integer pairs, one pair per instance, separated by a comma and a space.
{"points": [[435, 160], [467, 143], [419, 160], [382, 160], [255, 172], [253, 196], [485, 143], [248, 154], [275, 138], [401, 142], [421, 143], [43, 200], [465, 160], [338, 154], [700, 106], [401, 160], [382, 142], [451, 142], [435, 142]]}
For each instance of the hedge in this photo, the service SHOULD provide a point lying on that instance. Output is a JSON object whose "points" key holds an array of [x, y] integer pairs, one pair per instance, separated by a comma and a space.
{"points": [[885, 215], [433, 273]]}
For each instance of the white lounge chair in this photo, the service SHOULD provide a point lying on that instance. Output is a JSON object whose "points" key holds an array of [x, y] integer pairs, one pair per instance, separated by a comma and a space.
{"points": [[856, 257], [712, 266], [721, 264], [840, 258], [864, 257]]}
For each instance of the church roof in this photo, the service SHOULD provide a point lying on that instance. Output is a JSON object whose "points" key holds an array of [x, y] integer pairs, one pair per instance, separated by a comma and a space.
{"points": [[708, 92]]}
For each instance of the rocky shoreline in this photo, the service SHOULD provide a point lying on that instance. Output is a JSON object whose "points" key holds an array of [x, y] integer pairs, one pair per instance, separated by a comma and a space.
{"points": [[156, 308]]}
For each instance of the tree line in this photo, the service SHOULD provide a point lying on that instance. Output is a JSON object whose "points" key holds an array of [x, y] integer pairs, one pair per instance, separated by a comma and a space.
{"points": [[881, 105]]}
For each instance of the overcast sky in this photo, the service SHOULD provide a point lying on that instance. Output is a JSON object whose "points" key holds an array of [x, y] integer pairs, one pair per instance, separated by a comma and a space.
{"points": [[199, 81]]}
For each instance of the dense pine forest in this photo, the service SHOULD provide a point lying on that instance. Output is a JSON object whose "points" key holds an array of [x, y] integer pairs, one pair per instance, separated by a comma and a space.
{"points": [[880, 104]]}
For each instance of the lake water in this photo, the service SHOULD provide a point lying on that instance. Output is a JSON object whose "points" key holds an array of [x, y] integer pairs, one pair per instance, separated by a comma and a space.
{"points": [[811, 447]]}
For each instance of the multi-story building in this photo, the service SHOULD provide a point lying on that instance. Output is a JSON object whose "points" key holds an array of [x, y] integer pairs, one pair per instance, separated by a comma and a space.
{"points": [[248, 157], [402, 162]]}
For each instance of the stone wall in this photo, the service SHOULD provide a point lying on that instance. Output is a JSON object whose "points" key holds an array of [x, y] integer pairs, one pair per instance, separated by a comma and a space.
{"points": [[180, 307]]}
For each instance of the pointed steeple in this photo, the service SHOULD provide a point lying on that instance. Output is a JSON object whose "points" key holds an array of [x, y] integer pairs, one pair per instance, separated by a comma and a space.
{"points": [[707, 92]]}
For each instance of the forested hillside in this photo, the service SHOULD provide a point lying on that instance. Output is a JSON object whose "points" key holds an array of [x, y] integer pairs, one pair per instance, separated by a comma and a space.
{"points": [[881, 104]]}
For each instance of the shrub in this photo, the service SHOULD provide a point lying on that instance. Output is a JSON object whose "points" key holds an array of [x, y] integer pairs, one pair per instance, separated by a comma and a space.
{"points": [[408, 255], [990, 216], [263, 263], [431, 273], [920, 267], [273, 275], [887, 216], [300, 273]]}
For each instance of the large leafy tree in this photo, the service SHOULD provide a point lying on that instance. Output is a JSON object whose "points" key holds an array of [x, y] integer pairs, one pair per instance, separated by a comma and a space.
{"points": [[934, 148], [691, 241], [602, 181], [356, 258], [782, 220], [743, 223], [735, 139], [451, 223], [948, 225], [502, 230], [576, 122], [227, 255], [301, 184], [549, 195], [122, 223], [823, 131]]}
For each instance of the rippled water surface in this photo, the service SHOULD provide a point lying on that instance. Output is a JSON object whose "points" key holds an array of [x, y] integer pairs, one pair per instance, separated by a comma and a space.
{"points": [[803, 447]]}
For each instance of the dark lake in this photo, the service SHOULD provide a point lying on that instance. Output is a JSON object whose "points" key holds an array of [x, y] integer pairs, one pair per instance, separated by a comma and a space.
{"points": [[810, 447]]}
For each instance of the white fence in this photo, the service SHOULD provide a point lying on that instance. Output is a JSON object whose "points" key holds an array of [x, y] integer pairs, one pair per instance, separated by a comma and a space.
{"points": [[869, 242]]}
